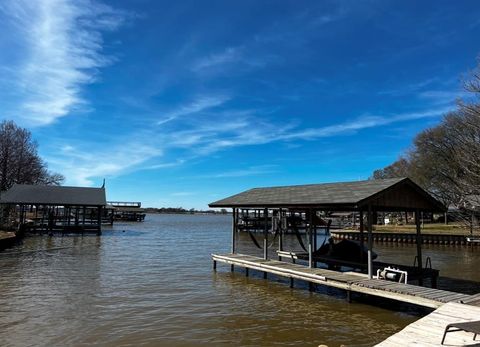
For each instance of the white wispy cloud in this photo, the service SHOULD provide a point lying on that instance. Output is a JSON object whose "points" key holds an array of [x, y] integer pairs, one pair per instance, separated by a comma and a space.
{"points": [[248, 129], [200, 104], [443, 96], [409, 88], [363, 122], [436, 91], [165, 165], [81, 165], [182, 194], [267, 47], [237, 58], [244, 172], [62, 42], [242, 128], [228, 55]]}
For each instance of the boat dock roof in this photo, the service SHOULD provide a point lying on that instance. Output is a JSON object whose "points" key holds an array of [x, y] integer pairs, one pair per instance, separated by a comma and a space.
{"points": [[28, 194], [400, 194]]}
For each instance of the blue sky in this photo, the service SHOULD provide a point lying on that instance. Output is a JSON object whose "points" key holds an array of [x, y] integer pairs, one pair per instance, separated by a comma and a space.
{"points": [[182, 103]]}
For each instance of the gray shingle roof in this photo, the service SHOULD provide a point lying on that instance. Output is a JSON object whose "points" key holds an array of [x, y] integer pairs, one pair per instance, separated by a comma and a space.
{"points": [[342, 194], [53, 195]]}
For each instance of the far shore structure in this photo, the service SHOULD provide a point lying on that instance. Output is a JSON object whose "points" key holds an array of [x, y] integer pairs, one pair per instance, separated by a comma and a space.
{"points": [[41, 208], [274, 207], [130, 211]]}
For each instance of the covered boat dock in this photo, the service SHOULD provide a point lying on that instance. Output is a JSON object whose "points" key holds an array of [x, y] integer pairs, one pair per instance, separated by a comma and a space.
{"points": [[40, 208], [126, 211], [275, 209]]}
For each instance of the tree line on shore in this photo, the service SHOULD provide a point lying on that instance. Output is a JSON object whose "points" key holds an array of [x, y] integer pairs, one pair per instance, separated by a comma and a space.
{"points": [[181, 210], [19, 159], [445, 159]]}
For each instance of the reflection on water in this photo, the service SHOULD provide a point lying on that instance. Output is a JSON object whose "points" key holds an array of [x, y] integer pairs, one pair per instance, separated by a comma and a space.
{"points": [[152, 284]]}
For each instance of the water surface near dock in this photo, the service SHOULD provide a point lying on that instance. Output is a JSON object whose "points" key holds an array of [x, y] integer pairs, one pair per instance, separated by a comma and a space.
{"points": [[152, 284]]}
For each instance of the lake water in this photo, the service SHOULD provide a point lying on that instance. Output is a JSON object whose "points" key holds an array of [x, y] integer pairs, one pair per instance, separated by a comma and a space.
{"points": [[152, 284]]}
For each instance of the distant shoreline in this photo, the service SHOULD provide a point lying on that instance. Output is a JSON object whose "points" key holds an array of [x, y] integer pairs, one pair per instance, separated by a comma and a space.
{"points": [[188, 212]]}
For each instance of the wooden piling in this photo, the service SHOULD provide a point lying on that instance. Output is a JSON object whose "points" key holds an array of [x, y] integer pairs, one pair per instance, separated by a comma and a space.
{"points": [[352, 282]]}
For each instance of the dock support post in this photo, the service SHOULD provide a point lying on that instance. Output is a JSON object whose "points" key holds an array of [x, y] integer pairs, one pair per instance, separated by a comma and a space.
{"points": [[265, 234], [84, 212], [291, 282], [315, 243], [310, 246], [361, 236], [99, 220], [231, 268], [21, 220], [265, 275], [370, 243], [234, 228], [246, 272], [214, 265], [280, 232], [311, 286], [419, 246], [349, 296]]}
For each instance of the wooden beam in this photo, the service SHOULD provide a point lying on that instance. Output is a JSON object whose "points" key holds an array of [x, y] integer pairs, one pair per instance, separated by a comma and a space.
{"points": [[280, 231], [419, 246], [234, 228], [43, 218], [265, 234], [361, 235], [22, 218], [370, 242], [315, 245], [99, 220], [310, 245]]}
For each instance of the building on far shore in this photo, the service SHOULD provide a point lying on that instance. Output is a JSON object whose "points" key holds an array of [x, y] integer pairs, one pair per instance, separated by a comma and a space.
{"points": [[41, 208]]}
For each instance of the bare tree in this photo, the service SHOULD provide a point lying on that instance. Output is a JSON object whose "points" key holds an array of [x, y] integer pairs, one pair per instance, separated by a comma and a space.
{"points": [[19, 159], [400, 168], [445, 159]]}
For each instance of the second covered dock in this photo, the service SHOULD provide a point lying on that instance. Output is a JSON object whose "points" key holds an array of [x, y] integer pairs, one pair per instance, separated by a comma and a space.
{"points": [[278, 209]]}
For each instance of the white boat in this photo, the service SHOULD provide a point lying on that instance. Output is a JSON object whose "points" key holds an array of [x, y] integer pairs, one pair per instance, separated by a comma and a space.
{"points": [[473, 239]]}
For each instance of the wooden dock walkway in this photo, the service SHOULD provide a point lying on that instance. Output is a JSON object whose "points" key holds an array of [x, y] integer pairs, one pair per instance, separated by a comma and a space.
{"points": [[406, 237], [351, 282], [428, 331]]}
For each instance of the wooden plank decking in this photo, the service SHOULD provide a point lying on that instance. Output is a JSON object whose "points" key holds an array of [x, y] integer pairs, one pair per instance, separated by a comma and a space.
{"points": [[428, 331], [353, 282]]}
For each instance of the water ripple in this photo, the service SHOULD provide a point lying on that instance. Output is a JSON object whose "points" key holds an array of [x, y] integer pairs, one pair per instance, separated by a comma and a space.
{"points": [[152, 284]]}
